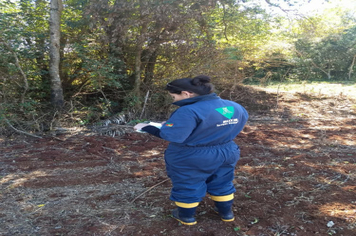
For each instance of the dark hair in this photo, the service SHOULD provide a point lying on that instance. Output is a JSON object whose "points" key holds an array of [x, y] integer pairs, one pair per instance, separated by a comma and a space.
{"points": [[200, 85]]}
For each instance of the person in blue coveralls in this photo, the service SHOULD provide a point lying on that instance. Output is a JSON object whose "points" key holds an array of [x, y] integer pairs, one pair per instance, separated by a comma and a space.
{"points": [[201, 156]]}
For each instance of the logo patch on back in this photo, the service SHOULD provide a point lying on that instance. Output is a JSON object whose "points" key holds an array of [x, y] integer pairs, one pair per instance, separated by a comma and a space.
{"points": [[228, 112], [169, 124]]}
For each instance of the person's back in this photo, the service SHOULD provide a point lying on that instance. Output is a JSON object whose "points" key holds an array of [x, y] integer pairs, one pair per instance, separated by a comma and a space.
{"points": [[209, 120], [202, 155]]}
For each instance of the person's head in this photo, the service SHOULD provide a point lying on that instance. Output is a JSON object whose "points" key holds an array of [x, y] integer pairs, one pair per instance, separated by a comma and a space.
{"points": [[185, 88]]}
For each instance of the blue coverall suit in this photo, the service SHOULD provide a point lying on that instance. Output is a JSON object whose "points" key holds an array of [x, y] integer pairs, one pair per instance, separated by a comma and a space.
{"points": [[202, 155]]}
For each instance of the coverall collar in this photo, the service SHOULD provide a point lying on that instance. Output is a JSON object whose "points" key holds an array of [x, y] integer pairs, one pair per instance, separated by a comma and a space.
{"points": [[211, 96]]}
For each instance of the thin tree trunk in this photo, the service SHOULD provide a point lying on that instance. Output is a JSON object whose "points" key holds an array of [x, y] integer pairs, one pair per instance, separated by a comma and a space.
{"points": [[138, 62], [40, 42], [54, 27], [351, 67], [137, 78], [329, 73]]}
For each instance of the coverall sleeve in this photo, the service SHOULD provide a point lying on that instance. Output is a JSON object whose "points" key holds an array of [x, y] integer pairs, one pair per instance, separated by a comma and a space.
{"points": [[152, 130], [179, 126]]}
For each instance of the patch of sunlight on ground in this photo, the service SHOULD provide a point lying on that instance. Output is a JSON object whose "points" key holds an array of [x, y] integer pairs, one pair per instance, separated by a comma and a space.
{"points": [[317, 89], [338, 209], [17, 180]]}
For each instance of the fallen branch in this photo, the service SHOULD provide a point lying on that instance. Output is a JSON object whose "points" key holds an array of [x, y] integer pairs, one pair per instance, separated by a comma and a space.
{"points": [[149, 190], [19, 131]]}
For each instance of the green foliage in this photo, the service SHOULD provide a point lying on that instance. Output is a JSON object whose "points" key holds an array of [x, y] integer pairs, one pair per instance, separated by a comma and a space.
{"points": [[237, 228], [89, 64], [330, 58], [113, 52]]}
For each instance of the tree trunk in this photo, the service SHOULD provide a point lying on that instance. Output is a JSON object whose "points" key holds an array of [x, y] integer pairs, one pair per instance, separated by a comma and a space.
{"points": [[138, 62], [54, 51], [149, 67], [137, 72], [351, 67]]}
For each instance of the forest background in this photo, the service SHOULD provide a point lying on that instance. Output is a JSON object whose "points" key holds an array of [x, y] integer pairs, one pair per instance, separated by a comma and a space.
{"points": [[108, 57]]}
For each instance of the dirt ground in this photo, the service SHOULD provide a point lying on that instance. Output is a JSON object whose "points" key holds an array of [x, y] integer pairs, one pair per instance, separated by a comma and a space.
{"points": [[296, 176]]}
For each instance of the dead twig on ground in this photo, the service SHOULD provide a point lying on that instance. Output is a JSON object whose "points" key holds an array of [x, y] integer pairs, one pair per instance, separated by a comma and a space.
{"points": [[149, 190]]}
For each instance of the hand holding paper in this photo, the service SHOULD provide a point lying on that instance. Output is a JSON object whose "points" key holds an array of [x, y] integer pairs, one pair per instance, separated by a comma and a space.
{"points": [[139, 126]]}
